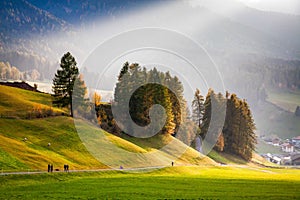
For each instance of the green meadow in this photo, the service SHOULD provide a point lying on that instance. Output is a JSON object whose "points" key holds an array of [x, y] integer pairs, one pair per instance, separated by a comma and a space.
{"points": [[192, 182]]}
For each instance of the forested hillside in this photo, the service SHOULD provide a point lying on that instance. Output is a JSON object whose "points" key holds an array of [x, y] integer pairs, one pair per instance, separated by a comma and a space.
{"points": [[32, 139], [138, 89]]}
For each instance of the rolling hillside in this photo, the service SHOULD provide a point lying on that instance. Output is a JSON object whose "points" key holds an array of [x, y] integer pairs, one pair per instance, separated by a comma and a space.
{"points": [[19, 103], [66, 145]]}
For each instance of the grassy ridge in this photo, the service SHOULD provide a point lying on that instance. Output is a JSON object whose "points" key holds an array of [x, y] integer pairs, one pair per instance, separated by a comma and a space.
{"points": [[134, 153], [19, 103], [167, 183]]}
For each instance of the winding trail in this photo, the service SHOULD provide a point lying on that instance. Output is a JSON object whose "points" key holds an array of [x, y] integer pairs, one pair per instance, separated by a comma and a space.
{"points": [[138, 169]]}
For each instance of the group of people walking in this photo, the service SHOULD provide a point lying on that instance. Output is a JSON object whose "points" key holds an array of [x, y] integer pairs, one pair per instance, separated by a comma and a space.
{"points": [[66, 168], [50, 168]]}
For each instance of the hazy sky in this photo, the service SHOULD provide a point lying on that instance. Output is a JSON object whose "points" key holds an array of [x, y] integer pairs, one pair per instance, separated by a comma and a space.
{"points": [[285, 6]]}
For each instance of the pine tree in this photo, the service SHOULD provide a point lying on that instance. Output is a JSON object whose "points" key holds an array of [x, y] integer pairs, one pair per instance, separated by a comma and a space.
{"points": [[198, 108], [213, 119], [207, 114], [250, 139], [179, 104], [79, 97], [239, 135], [231, 128], [167, 104], [156, 91], [124, 70], [63, 82]]}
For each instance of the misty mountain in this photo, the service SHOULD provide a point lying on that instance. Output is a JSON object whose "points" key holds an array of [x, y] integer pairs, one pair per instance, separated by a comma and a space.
{"points": [[28, 29], [79, 12], [23, 28], [254, 50], [35, 34], [284, 28], [20, 19]]}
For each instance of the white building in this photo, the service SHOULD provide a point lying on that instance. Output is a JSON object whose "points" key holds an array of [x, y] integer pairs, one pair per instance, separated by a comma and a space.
{"points": [[287, 147], [273, 158]]}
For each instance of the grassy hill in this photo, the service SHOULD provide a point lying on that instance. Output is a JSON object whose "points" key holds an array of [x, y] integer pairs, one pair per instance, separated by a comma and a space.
{"points": [[18, 111], [160, 150], [20, 103], [288, 100], [34, 153]]}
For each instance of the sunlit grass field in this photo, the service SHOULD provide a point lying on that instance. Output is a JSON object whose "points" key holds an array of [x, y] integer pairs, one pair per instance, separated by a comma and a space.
{"points": [[168, 183], [20, 103], [34, 153], [66, 146]]}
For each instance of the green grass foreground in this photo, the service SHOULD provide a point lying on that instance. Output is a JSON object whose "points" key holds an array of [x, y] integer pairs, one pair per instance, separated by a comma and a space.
{"points": [[169, 183]]}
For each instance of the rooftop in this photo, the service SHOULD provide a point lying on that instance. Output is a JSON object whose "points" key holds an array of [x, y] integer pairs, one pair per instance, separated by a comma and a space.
{"points": [[296, 138]]}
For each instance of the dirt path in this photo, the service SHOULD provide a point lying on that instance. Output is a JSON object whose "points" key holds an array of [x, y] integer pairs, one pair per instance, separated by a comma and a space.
{"points": [[85, 170]]}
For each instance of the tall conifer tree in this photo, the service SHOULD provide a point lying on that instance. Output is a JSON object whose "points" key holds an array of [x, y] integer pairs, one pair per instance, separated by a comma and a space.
{"points": [[63, 82], [198, 108]]}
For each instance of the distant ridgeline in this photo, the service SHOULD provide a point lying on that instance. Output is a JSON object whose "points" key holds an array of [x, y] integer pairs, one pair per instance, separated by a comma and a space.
{"points": [[236, 137], [252, 76]]}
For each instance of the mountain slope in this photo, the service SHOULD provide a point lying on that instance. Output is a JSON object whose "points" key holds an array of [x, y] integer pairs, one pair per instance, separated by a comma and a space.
{"points": [[21, 19], [82, 11], [285, 28], [35, 34], [23, 29]]}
